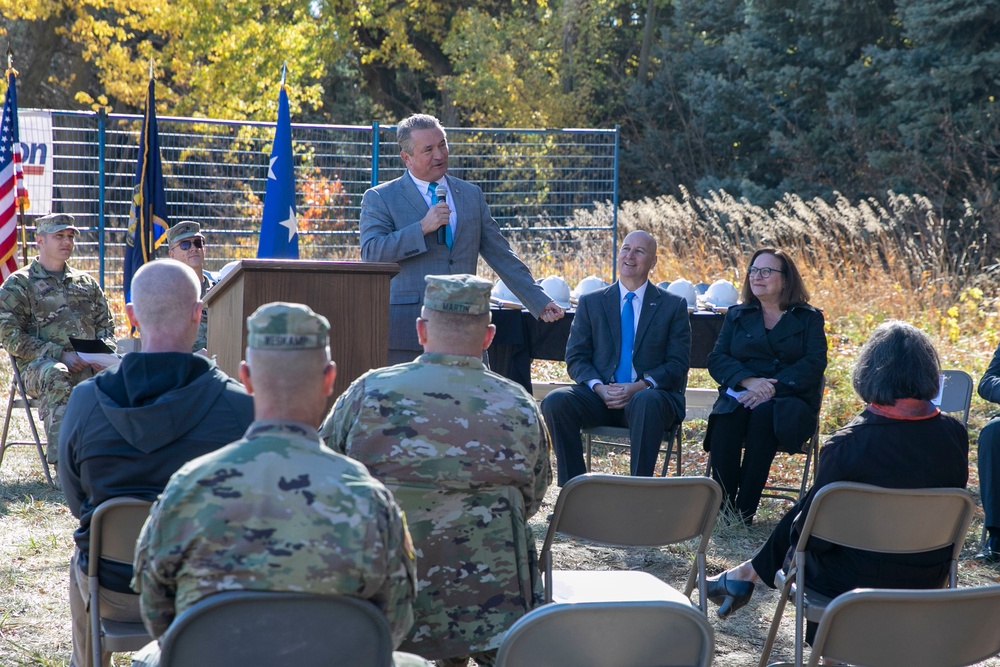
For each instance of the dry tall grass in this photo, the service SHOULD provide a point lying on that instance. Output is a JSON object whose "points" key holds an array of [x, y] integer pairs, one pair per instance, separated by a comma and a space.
{"points": [[863, 262]]}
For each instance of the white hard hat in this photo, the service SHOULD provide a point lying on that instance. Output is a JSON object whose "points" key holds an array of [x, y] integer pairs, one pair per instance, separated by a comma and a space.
{"points": [[224, 271], [721, 293], [685, 290], [588, 285], [557, 289], [502, 292]]}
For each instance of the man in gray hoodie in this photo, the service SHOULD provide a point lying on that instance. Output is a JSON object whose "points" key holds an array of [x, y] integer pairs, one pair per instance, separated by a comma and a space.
{"points": [[128, 429]]}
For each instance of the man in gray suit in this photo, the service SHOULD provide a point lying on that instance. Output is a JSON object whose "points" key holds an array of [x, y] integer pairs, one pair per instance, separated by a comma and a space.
{"points": [[433, 224], [636, 379]]}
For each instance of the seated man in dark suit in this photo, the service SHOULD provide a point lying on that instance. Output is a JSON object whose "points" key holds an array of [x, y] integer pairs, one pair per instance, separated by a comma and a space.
{"points": [[989, 464], [636, 379]]}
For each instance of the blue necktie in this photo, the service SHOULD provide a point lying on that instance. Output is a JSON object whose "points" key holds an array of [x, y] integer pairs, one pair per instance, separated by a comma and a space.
{"points": [[624, 371], [448, 238]]}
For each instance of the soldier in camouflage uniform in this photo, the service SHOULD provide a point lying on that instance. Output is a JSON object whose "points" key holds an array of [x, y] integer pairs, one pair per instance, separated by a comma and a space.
{"points": [[42, 306], [277, 510], [466, 454], [185, 243]]}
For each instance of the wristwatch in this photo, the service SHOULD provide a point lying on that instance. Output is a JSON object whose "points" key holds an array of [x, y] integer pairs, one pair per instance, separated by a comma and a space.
{"points": [[649, 383]]}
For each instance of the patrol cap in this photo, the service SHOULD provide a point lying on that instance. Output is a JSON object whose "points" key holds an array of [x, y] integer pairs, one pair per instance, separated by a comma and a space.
{"points": [[184, 229], [55, 222], [287, 326], [458, 293]]}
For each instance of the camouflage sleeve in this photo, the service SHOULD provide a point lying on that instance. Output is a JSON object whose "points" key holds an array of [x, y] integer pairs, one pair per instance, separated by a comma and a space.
{"points": [[336, 428], [542, 470], [153, 577], [15, 323], [399, 587], [104, 321]]}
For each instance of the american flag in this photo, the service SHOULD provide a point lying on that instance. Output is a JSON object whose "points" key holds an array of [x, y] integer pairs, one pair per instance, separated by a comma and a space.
{"points": [[12, 191]]}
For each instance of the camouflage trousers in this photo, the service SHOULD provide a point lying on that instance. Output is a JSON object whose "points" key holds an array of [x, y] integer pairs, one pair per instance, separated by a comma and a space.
{"points": [[50, 382]]}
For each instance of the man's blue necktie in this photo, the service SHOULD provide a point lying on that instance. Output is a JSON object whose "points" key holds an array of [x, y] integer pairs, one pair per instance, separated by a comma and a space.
{"points": [[448, 238], [624, 371]]}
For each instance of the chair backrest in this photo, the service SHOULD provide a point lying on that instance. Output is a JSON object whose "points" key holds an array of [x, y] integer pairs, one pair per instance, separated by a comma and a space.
{"points": [[925, 628], [603, 508], [884, 520], [114, 528], [869, 517], [956, 393], [265, 629], [597, 634]]}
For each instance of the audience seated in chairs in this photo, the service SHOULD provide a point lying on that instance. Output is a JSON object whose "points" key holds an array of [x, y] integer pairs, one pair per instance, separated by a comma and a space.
{"points": [[131, 427], [900, 440], [276, 511]]}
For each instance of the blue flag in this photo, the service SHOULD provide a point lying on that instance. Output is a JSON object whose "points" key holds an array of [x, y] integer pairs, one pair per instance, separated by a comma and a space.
{"points": [[279, 230], [147, 218]]}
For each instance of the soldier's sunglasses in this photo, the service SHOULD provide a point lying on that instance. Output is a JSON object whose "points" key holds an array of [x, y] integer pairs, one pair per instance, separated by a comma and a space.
{"points": [[187, 243]]}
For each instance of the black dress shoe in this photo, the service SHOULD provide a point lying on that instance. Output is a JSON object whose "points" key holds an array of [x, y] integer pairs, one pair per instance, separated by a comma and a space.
{"points": [[990, 553], [729, 595]]}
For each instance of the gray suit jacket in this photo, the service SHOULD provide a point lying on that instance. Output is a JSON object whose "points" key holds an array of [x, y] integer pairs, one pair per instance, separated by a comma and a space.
{"points": [[662, 346], [390, 232]]}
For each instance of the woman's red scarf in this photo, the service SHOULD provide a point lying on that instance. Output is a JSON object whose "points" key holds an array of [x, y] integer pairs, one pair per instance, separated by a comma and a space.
{"points": [[906, 408]]}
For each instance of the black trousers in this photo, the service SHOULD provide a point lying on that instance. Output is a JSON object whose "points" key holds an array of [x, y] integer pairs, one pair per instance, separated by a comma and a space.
{"points": [[567, 410], [743, 446]]}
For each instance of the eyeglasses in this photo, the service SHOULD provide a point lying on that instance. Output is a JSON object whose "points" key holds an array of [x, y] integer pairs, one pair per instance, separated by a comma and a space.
{"points": [[187, 243], [764, 273]]}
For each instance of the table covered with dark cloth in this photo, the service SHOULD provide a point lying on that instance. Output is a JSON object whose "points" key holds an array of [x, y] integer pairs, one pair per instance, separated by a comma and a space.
{"points": [[521, 338]]}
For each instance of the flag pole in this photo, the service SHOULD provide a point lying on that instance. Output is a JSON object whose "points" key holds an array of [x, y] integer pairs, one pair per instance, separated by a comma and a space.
{"points": [[20, 201]]}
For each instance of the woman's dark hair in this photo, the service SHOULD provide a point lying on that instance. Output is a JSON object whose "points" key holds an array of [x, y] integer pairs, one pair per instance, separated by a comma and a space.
{"points": [[897, 361], [794, 292]]}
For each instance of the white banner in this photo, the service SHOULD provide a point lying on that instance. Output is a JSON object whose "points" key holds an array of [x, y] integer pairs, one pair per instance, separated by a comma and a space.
{"points": [[35, 130]]}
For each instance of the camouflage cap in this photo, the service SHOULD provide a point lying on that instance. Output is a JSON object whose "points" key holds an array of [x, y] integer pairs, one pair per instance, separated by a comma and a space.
{"points": [[184, 229], [55, 222], [287, 326], [458, 293]]}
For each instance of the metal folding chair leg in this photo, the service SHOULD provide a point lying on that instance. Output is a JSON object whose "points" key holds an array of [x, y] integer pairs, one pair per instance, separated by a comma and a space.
{"points": [[19, 394]]}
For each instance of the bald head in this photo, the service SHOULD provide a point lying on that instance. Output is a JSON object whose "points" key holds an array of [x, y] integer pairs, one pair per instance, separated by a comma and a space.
{"points": [[165, 306], [636, 258]]}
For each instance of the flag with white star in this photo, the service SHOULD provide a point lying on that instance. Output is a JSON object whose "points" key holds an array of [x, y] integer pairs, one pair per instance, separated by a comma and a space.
{"points": [[147, 219], [12, 190], [279, 229]]}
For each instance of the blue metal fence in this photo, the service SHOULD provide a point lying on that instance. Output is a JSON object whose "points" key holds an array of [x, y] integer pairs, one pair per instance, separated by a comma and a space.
{"points": [[536, 182]]}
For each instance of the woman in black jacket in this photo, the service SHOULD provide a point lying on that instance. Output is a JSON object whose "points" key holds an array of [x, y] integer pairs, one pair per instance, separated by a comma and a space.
{"points": [[769, 361], [901, 441]]}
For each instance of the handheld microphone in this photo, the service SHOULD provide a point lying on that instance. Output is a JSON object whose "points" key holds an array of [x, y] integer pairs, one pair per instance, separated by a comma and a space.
{"points": [[441, 194]]}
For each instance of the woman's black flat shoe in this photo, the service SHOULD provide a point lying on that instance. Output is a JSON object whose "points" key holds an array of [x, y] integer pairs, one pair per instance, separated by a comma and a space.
{"points": [[729, 595]]}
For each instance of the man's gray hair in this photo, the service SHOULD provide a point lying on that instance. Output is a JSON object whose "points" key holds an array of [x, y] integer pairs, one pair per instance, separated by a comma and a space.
{"points": [[418, 121], [897, 361]]}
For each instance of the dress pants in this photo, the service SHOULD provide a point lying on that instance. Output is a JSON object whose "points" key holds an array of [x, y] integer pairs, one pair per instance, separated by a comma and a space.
{"points": [[567, 410], [114, 605], [746, 434], [989, 472]]}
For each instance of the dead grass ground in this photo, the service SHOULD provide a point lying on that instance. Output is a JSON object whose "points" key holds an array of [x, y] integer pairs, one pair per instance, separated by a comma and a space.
{"points": [[36, 541]]}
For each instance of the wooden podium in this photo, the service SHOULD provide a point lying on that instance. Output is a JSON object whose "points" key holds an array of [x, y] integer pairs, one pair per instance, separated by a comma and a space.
{"points": [[354, 296]]}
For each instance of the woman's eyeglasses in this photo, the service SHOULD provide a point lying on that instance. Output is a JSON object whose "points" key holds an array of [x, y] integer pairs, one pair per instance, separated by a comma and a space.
{"points": [[199, 243], [764, 273]]}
